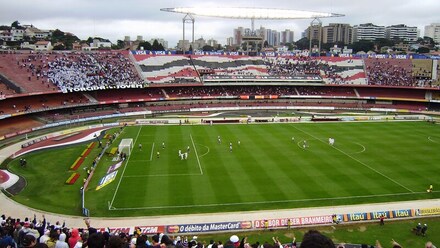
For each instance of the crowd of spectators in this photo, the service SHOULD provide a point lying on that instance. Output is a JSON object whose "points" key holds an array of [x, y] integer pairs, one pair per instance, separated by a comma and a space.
{"points": [[109, 69], [100, 69], [33, 233], [393, 72]]}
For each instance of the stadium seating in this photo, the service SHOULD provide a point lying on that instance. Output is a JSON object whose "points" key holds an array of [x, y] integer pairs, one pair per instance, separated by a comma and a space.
{"points": [[25, 69], [18, 124], [385, 92], [43, 102]]}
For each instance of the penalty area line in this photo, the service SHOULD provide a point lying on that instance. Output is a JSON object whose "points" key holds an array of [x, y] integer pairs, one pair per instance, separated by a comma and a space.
{"points": [[197, 156], [270, 202], [152, 151]]}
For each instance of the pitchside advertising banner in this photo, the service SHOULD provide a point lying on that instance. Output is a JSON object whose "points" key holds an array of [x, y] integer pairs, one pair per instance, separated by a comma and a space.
{"points": [[402, 213], [428, 211], [287, 54], [274, 223], [130, 230], [297, 221], [209, 227]]}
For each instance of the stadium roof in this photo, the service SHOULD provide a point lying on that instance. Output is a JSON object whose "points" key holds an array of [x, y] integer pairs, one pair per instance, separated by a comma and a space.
{"points": [[251, 13]]}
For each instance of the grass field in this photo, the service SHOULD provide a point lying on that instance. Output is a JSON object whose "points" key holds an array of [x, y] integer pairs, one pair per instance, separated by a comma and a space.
{"points": [[369, 162]]}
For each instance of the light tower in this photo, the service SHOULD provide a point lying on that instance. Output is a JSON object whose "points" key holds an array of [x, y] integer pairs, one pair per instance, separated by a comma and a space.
{"points": [[188, 18], [315, 24]]}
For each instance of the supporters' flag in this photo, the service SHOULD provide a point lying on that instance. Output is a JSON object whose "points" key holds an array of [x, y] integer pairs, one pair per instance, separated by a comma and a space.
{"points": [[107, 179], [114, 167]]}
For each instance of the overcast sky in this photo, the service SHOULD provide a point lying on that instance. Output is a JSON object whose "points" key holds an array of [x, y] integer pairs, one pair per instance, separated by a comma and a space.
{"points": [[114, 19]]}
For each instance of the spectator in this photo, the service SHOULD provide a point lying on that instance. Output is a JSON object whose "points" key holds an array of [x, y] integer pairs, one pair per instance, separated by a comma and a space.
{"points": [[74, 238], [61, 242], [53, 238], [314, 239], [29, 241]]}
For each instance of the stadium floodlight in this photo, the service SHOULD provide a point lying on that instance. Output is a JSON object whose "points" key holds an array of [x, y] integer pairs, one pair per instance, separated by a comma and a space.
{"points": [[251, 13]]}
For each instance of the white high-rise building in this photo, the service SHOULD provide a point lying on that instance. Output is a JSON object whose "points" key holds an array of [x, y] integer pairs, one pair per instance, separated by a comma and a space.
{"points": [[433, 31], [402, 32], [368, 31], [230, 41], [287, 36], [273, 37]]}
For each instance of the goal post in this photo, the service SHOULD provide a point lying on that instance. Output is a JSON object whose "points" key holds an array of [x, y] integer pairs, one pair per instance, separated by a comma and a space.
{"points": [[126, 146]]}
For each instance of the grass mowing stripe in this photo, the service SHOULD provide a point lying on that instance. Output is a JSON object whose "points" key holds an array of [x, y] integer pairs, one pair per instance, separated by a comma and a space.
{"points": [[360, 162], [266, 163], [121, 176]]}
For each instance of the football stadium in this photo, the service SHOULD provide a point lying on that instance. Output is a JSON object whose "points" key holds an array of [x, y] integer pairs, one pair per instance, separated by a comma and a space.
{"points": [[219, 142]]}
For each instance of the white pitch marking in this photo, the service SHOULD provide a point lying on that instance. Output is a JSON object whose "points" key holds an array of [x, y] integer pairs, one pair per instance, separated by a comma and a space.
{"points": [[363, 148], [430, 139], [205, 152]]}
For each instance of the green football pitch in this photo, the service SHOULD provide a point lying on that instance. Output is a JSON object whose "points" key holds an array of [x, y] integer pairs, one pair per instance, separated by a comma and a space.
{"points": [[271, 168], [267, 168]]}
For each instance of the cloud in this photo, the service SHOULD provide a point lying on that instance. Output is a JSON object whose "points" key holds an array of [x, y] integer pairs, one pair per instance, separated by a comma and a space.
{"points": [[114, 19]]}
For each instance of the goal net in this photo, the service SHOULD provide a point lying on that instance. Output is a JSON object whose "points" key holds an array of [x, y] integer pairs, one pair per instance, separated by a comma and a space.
{"points": [[126, 146]]}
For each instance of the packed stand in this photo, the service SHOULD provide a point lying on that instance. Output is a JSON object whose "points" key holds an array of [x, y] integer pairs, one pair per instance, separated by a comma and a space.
{"points": [[393, 72], [84, 70]]}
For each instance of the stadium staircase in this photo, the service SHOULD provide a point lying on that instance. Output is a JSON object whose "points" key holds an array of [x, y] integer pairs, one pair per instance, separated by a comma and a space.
{"points": [[165, 93], [90, 98], [356, 92], [136, 65], [191, 62]]}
